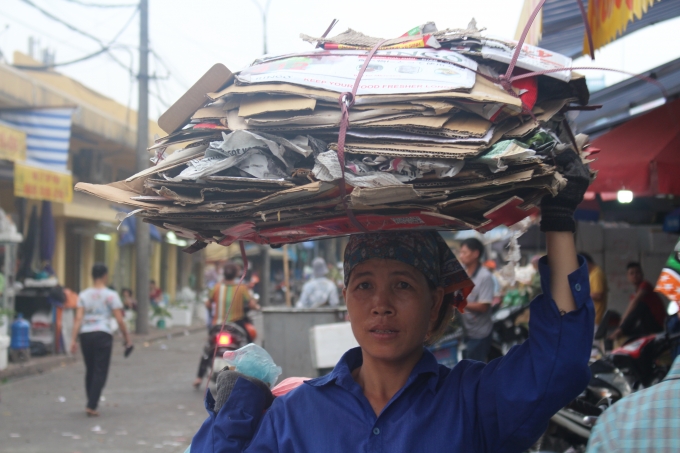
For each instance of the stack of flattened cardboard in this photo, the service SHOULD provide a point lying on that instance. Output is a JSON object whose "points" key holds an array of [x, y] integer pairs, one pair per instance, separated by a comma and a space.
{"points": [[433, 142]]}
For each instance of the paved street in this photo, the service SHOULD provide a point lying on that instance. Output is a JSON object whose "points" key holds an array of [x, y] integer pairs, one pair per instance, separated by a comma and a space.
{"points": [[149, 404]]}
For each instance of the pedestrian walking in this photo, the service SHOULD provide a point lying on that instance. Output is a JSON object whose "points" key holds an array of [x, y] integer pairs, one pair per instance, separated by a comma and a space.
{"points": [[96, 307]]}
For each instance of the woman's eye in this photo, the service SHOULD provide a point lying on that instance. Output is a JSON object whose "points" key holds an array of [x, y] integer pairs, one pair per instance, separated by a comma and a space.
{"points": [[403, 285], [363, 285]]}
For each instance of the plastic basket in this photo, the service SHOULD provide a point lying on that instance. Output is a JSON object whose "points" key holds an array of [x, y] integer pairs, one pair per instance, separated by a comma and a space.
{"points": [[446, 352]]}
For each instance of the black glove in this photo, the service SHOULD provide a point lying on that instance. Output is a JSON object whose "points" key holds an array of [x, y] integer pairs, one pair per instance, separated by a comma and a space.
{"points": [[225, 384], [557, 213]]}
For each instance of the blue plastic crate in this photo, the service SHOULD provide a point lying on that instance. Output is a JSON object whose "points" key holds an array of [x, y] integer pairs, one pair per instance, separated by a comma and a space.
{"points": [[446, 352]]}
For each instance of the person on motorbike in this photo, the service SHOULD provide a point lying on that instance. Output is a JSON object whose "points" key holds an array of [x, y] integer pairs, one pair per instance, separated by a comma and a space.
{"points": [[389, 394], [231, 300]]}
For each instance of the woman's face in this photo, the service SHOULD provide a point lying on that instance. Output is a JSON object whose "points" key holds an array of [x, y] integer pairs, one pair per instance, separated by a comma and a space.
{"points": [[391, 308]]}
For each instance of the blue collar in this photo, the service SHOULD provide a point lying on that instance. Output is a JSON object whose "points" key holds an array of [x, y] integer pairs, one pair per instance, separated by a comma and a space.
{"points": [[352, 359]]}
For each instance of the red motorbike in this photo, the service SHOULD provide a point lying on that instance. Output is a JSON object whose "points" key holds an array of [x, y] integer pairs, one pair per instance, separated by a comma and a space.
{"points": [[645, 361]]}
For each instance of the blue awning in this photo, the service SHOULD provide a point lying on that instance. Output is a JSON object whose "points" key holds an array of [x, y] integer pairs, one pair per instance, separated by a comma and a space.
{"points": [[625, 100], [128, 229], [563, 28]]}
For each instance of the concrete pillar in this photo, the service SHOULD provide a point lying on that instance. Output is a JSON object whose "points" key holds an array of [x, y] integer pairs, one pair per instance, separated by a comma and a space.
{"points": [[133, 271], [184, 269], [59, 257]]}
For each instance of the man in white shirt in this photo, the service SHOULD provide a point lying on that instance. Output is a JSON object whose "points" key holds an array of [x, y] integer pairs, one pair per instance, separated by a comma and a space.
{"points": [[319, 290], [96, 306]]}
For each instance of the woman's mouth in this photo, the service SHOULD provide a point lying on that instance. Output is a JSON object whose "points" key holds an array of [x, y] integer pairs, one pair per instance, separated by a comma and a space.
{"points": [[383, 334]]}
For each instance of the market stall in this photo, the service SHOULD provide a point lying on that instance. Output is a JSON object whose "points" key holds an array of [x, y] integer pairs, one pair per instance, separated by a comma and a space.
{"points": [[9, 242]]}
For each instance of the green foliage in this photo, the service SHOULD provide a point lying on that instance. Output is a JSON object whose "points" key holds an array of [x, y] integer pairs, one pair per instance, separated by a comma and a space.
{"points": [[6, 312], [161, 312]]}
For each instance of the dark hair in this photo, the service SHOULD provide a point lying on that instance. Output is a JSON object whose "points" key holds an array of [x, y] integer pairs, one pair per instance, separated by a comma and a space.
{"points": [[587, 257], [152, 282], [444, 317], [633, 264], [126, 290], [474, 244], [99, 270], [230, 270]]}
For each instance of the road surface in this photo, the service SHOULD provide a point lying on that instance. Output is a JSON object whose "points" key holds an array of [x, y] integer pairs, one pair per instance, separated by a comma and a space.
{"points": [[149, 404]]}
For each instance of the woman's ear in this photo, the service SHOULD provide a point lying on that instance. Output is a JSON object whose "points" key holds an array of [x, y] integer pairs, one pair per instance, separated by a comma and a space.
{"points": [[437, 300], [344, 296]]}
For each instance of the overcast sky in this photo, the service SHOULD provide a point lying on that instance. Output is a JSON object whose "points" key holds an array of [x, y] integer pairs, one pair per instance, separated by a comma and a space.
{"points": [[187, 37]]}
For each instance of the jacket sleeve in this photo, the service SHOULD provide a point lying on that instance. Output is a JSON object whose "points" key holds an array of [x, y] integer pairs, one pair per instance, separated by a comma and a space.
{"points": [[232, 429], [517, 394]]}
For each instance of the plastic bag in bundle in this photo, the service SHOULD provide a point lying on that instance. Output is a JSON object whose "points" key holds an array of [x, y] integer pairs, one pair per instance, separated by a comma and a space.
{"points": [[254, 361]]}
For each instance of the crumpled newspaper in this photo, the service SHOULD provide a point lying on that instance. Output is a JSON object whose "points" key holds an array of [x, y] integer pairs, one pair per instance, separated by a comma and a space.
{"points": [[244, 149], [381, 171]]}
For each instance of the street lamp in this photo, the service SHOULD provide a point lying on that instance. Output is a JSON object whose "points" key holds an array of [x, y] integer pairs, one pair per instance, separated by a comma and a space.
{"points": [[263, 12]]}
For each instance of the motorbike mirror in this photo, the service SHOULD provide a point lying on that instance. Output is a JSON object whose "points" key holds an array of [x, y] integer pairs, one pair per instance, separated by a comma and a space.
{"points": [[590, 420]]}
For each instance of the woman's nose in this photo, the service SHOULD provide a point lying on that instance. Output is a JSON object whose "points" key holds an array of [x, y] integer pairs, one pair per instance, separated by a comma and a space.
{"points": [[382, 305]]}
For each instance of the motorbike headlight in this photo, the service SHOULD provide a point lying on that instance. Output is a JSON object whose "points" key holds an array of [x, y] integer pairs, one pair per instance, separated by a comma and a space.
{"points": [[616, 380]]}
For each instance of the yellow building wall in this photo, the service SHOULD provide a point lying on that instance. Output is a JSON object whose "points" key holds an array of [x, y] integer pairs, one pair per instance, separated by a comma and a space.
{"points": [[155, 272], [112, 257], [171, 270], [87, 260]]}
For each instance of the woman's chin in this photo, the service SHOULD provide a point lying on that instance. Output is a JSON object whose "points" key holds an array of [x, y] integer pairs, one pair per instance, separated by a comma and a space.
{"points": [[390, 353]]}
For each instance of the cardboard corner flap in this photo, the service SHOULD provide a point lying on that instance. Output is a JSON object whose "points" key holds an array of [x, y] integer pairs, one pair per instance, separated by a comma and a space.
{"points": [[181, 111]]}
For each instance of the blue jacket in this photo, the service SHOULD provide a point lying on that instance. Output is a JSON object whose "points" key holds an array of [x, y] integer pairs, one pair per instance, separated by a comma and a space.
{"points": [[503, 406]]}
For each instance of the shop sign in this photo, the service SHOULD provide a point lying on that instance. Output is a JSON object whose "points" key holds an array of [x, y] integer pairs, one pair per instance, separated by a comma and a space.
{"points": [[12, 144], [42, 184]]}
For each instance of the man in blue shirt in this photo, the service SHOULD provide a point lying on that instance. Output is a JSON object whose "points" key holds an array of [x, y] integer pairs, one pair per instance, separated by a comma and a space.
{"points": [[390, 394]]}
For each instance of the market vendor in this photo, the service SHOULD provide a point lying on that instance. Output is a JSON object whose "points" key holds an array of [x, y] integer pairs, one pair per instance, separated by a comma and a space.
{"points": [[389, 394]]}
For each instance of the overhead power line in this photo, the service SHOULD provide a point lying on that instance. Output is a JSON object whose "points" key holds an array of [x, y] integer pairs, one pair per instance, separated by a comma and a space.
{"points": [[100, 5], [105, 48], [63, 22]]}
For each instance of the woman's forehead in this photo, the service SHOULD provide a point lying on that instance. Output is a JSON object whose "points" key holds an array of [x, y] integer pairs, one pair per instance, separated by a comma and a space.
{"points": [[383, 266]]}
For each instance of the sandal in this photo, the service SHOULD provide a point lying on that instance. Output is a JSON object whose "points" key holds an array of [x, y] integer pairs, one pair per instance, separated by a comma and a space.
{"points": [[197, 383], [91, 412]]}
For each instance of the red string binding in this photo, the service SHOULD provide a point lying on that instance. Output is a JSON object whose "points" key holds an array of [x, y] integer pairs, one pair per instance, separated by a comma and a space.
{"points": [[589, 33], [346, 101]]}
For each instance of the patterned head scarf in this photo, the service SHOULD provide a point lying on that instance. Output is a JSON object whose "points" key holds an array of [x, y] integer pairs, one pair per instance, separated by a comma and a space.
{"points": [[425, 250]]}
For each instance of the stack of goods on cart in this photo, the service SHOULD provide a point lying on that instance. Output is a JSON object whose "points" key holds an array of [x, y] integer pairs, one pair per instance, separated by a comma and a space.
{"points": [[435, 141]]}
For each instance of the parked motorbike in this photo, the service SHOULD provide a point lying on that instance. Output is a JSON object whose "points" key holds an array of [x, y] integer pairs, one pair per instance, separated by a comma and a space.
{"points": [[231, 338], [506, 333], [645, 361], [569, 429]]}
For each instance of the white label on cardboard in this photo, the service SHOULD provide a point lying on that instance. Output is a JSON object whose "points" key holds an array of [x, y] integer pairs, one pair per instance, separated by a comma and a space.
{"points": [[389, 72], [531, 58]]}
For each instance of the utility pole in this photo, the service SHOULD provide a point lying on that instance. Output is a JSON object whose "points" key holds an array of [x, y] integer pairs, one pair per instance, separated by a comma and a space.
{"points": [[142, 241], [264, 11]]}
